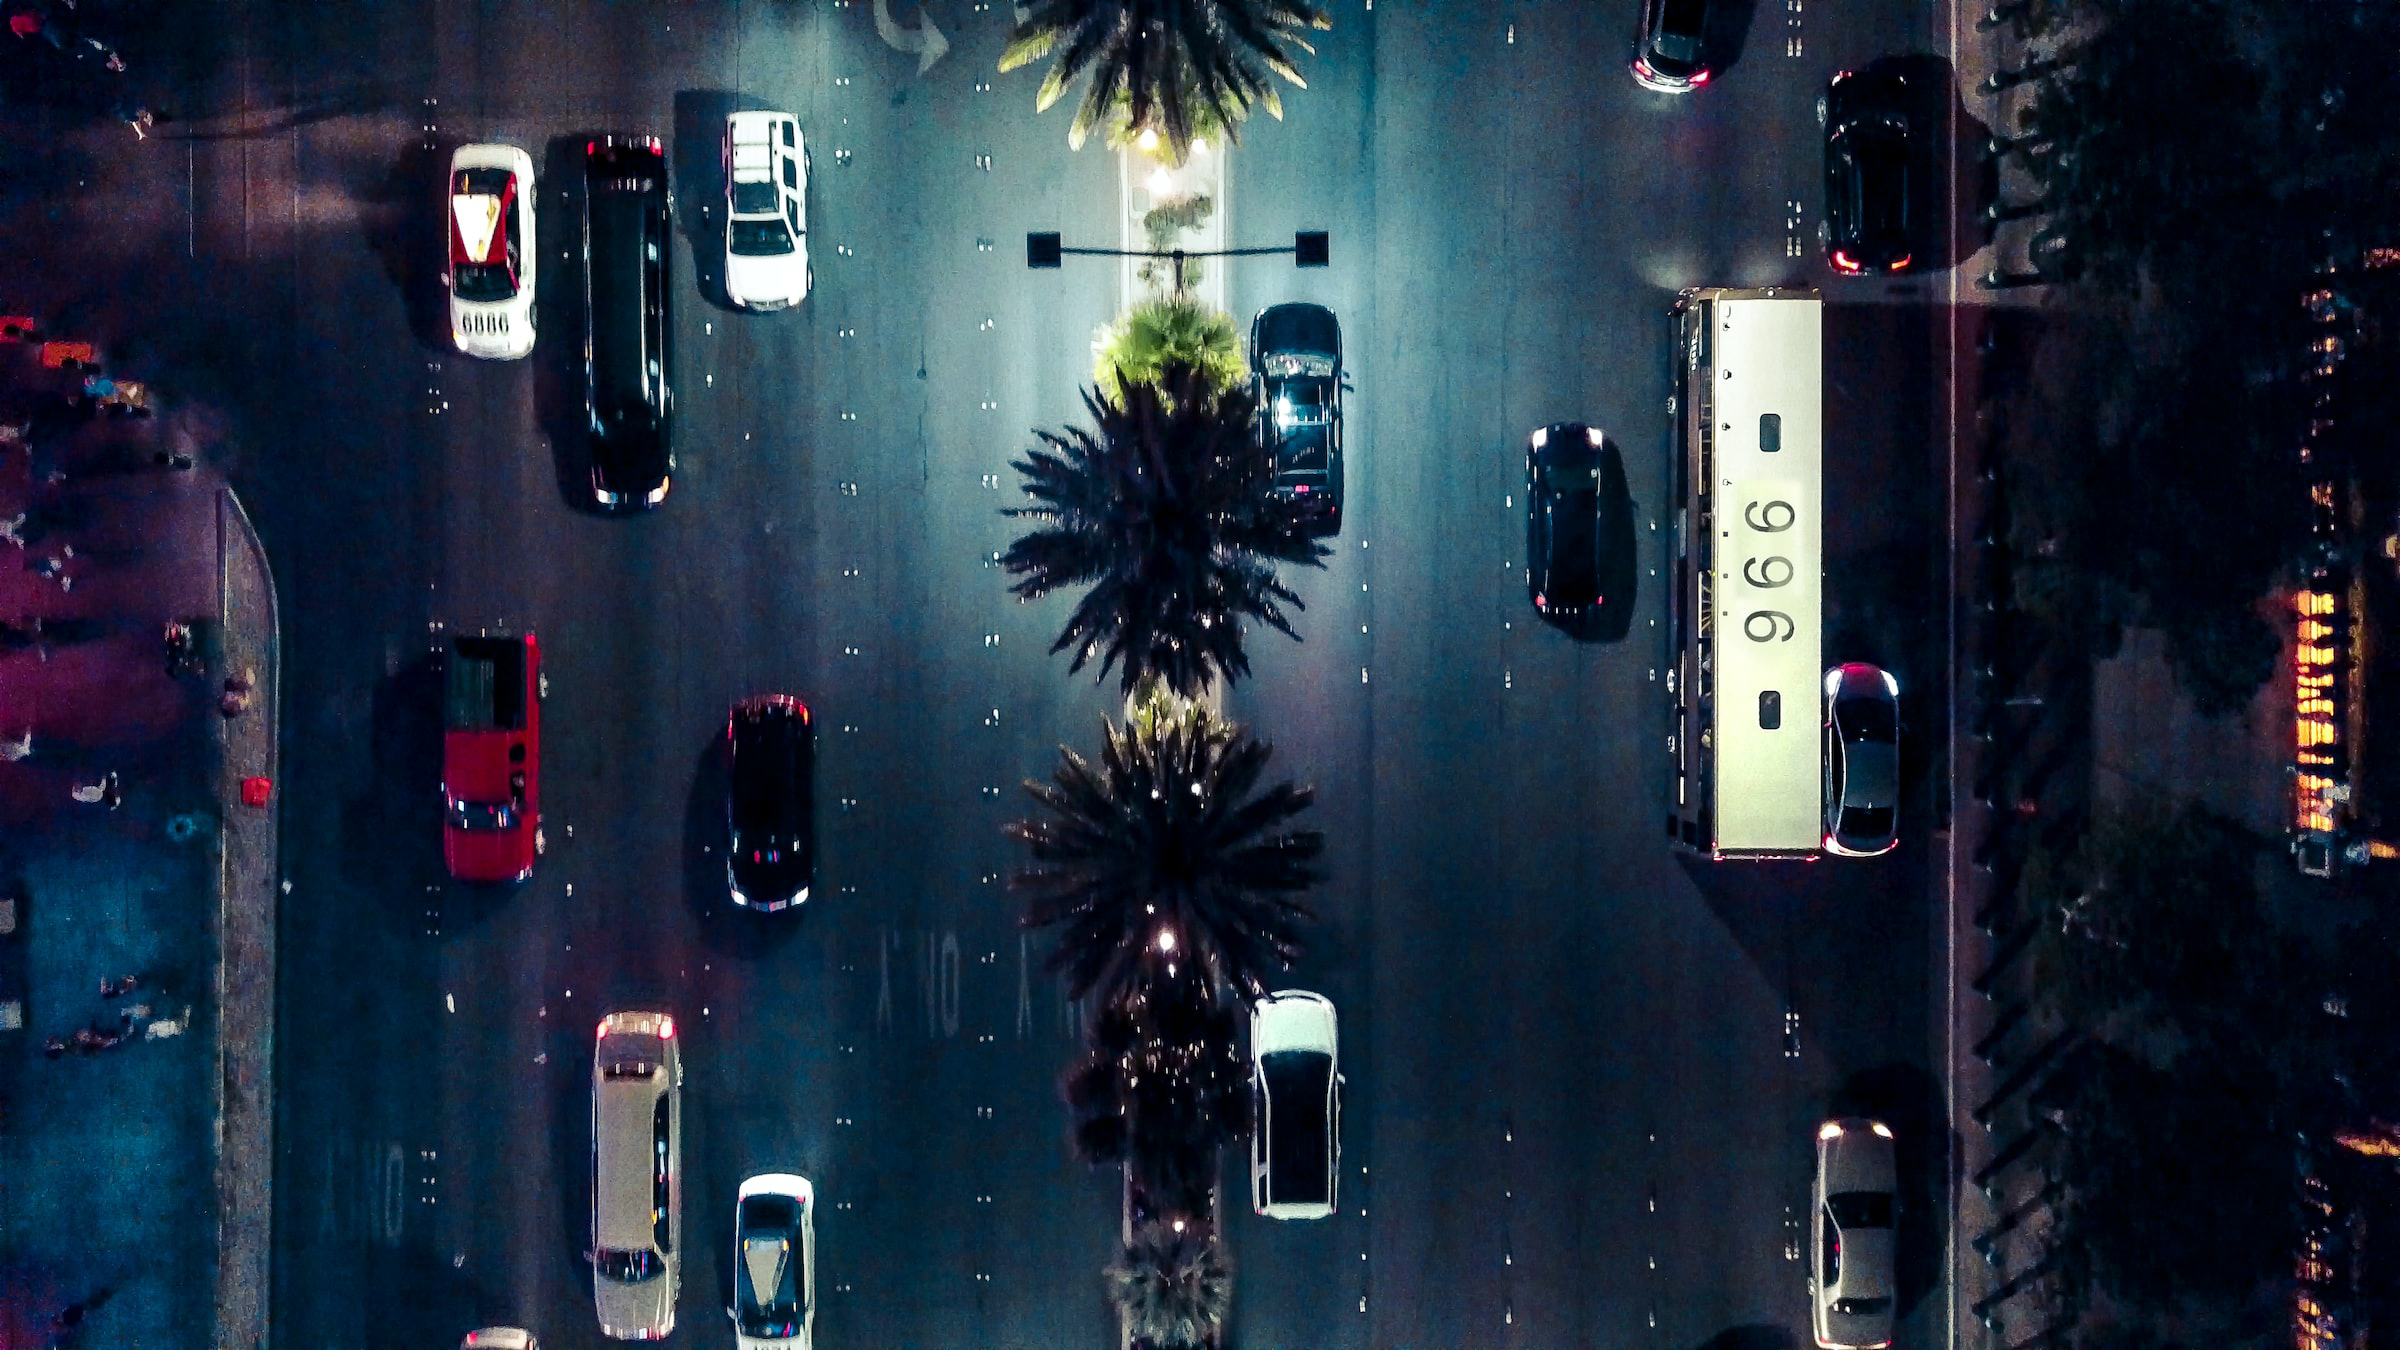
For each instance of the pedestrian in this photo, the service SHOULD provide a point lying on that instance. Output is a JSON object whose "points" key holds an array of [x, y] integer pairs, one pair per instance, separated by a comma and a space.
{"points": [[136, 116], [233, 702], [112, 796], [15, 750], [95, 794], [98, 387], [179, 647], [88, 1042]]}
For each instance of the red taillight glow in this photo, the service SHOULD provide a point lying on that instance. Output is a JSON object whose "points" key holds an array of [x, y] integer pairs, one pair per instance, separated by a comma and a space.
{"points": [[1300, 487], [1642, 67], [1844, 261], [666, 1028], [1901, 264], [590, 148], [1699, 79]]}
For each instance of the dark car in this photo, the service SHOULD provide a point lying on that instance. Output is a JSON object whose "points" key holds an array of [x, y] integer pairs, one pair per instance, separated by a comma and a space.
{"points": [[1296, 373], [626, 362], [1869, 224], [770, 808], [1578, 532], [1672, 55], [1862, 760]]}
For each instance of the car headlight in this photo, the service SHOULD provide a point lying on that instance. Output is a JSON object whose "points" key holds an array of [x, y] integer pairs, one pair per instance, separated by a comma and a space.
{"points": [[1831, 1129], [1890, 685], [1833, 682], [1541, 437]]}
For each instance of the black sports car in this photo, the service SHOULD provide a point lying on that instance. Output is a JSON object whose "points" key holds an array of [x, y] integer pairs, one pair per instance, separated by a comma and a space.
{"points": [[1578, 532]]}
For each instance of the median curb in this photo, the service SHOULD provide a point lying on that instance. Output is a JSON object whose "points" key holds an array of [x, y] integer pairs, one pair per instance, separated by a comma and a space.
{"points": [[247, 774]]}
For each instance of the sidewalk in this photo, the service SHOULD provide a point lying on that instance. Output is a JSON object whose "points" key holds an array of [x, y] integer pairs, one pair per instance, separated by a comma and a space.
{"points": [[110, 1160]]}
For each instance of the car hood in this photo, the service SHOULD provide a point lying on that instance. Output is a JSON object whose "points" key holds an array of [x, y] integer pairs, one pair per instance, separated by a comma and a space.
{"points": [[768, 885], [781, 277], [489, 855], [644, 1311]]}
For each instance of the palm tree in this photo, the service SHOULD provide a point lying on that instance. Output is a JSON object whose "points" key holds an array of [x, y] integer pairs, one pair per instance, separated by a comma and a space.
{"points": [[1162, 860], [1172, 1286], [1162, 1086], [1155, 334], [1173, 63], [1167, 508]]}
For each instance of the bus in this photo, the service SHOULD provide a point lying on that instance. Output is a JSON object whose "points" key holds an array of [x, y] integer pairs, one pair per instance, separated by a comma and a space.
{"points": [[1744, 673]]}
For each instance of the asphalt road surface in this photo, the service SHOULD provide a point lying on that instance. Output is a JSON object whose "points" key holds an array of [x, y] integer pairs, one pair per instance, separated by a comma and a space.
{"points": [[1582, 1071]]}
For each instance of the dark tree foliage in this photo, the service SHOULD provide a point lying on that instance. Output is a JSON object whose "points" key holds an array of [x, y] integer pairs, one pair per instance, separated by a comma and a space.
{"points": [[1172, 1288], [1166, 510], [2201, 164], [1169, 61], [2207, 1078], [1162, 1086], [1166, 858]]}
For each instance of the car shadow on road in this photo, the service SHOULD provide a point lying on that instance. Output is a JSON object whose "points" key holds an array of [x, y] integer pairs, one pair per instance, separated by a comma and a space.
{"points": [[1728, 33], [392, 216], [724, 927], [699, 169], [1755, 1336], [1910, 1100], [392, 827]]}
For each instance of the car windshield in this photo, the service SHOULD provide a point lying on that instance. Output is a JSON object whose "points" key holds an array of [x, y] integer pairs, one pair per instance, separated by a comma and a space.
{"points": [[1876, 180], [1683, 18], [1868, 719], [479, 816], [755, 199], [482, 282], [1861, 1209], [1867, 822], [760, 238], [1861, 1307], [771, 1271], [629, 1267]]}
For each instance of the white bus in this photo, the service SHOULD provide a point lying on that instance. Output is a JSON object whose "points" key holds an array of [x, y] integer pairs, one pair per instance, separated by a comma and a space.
{"points": [[1747, 735]]}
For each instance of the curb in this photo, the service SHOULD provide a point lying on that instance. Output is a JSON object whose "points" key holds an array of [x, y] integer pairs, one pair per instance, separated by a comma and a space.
{"points": [[246, 859]]}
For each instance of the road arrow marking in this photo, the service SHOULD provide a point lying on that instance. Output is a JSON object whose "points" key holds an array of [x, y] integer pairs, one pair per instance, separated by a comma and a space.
{"points": [[927, 41]]}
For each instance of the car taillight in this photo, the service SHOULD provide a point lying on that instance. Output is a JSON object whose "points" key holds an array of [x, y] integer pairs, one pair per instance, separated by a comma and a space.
{"points": [[1903, 261], [1699, 78], [1844, 261], [1641, 66], [590, 148], [1300, 487], [666, 1028]]}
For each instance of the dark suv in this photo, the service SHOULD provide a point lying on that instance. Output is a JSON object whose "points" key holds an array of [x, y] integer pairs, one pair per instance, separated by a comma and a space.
{"points": [[770, 808], [1672, 55], [1296, 374], [626, 362], [1869, 224], [1578, 532]]}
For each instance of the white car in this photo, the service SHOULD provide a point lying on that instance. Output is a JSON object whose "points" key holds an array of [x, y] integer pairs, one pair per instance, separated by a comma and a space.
{"points": [[774, 1263], [1850, 1268], [637, 1175], [766, 211], [1295, 1106], [492, 254], [500, 1338]]}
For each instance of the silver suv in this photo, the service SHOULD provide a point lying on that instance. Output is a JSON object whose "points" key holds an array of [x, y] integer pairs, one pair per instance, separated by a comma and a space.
{"points": [[637, 1174]]}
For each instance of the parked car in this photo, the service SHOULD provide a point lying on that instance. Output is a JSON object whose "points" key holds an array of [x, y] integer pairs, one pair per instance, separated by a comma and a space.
{"points": [[1850, 1268], [1578, 531], [770, 806], [492, 252], [1671, 55], [492, 687], [1296, 375], [500, 1338], [774, 1263], [627, 361], [637, 1175], [766, 211], [1869, 221], [1295, 1105], [1862, 760]]}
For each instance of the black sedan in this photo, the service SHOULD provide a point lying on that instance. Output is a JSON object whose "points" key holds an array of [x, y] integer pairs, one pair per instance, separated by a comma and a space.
{"points": [[1578, 532], [1862, 760], [1296, 374], [1869, 144], [770, 809]]}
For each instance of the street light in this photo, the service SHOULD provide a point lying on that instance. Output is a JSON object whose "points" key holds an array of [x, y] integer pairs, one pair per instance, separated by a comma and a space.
{"points": [[1310, 248]]}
